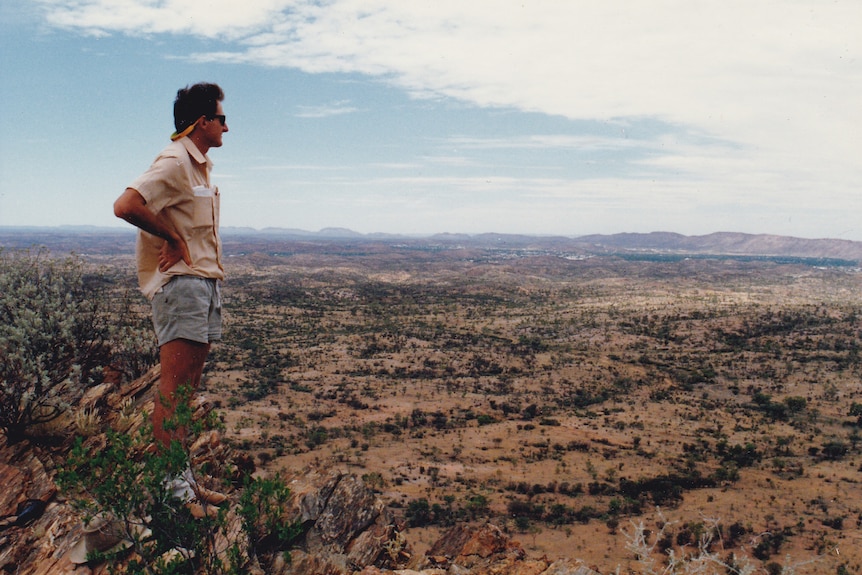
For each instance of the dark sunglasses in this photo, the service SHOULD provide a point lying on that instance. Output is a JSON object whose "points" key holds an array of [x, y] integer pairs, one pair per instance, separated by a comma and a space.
{"points": [[220, 117]]}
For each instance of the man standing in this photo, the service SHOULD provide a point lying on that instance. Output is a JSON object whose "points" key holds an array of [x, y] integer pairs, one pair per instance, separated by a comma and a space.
{"points": [[178, 252]]}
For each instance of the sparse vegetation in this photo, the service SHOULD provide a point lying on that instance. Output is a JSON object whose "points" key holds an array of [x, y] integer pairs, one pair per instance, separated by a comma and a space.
{"points": [[553, 394], [593, 400]]}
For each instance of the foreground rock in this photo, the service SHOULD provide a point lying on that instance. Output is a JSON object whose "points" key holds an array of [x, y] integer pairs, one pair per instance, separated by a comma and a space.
{"points": [[347, 529]]}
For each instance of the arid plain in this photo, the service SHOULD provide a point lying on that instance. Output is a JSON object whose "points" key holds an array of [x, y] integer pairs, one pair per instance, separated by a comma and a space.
{"points": [[560, 394]]}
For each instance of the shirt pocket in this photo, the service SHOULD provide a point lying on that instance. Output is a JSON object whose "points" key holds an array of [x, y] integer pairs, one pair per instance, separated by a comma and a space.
{"points": [[204, 207]]}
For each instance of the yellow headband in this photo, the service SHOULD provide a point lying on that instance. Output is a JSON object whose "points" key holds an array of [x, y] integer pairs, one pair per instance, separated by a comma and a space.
{"points": [[177, 135]]}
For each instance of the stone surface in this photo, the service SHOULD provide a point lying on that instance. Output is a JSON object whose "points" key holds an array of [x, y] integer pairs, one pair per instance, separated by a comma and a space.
{"points": [[463, 545]]}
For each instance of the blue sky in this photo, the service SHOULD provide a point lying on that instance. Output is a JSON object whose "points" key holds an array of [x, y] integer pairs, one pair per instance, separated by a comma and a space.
{"points": [[539, 117]]}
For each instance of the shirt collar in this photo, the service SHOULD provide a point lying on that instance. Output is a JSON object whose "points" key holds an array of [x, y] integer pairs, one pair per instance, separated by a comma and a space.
{"points": [[194, 152]]}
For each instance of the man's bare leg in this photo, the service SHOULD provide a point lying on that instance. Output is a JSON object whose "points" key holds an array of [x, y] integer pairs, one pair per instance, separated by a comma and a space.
{"points": [[182, 364]]}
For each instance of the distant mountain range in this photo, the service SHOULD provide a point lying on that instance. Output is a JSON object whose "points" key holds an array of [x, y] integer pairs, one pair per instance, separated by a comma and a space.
{"points": [[729, 243], [719, 243]]}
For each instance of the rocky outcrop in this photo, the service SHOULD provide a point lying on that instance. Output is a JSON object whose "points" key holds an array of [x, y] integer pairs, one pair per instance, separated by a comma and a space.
{"points": [[346, 528]]}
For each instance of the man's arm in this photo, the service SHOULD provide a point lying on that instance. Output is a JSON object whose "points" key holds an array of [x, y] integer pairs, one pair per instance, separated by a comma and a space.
{"points": [[132, 207]]}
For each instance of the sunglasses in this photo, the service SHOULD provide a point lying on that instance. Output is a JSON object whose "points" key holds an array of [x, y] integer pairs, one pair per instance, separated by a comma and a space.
{"points": [[220, 117]]}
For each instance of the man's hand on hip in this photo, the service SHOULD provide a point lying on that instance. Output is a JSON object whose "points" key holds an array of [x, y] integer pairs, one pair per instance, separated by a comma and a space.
{"points": [[172, 252]]}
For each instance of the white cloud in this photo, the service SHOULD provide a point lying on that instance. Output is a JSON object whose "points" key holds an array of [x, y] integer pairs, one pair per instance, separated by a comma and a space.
{"points": [[206, 18]]}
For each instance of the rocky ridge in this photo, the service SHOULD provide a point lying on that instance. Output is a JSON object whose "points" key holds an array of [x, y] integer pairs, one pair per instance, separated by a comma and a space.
{"points": [[346, 528]]}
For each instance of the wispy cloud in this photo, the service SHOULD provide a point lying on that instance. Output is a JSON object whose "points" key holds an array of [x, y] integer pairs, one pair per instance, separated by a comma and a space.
{"points": [[326, 110], [544, 142], [295, 167]]}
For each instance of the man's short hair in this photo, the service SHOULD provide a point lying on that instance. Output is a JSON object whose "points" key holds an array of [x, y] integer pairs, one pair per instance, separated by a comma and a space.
{"points": [[195, 101]]}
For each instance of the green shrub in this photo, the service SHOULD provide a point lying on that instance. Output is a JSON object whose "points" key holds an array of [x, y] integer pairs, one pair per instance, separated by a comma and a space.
{"points": [[262, 508], [122, 479], [418, 513], [485, 419]]}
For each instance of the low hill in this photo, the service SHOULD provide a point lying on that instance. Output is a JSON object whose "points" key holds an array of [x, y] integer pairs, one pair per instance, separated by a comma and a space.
{"points": [[729, 243]]}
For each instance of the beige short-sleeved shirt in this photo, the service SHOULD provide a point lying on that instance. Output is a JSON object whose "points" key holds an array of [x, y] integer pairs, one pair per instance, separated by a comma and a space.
{"points": [[177, 186]]}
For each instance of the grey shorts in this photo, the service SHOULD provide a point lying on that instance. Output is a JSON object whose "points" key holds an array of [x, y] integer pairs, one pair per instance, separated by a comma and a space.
{"points": [[188, 307]]}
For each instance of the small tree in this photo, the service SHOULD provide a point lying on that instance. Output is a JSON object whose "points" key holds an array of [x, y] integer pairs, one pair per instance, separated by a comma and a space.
{"points": [[53, 340], [796, 404]]}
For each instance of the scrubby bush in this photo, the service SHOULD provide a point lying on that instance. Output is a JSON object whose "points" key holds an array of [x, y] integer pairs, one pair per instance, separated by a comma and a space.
{"points": [[53, 340], [60, 326], [796, 404], [418, 513], [133, 344]]}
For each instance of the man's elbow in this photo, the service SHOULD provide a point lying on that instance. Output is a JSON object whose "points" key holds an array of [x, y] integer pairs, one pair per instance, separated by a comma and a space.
{"points": [[124, 206], [120, 209]]}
